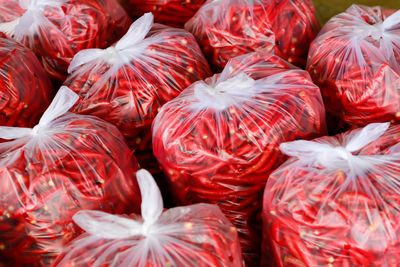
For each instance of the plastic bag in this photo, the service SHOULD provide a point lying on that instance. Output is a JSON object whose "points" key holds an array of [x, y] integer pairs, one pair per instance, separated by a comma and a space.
{"points": [[26, 90], [66, 163], [218, 140], [197, 235], [127, 83], [229, 28], [169, 12], [57, 29], [355, 60], [336, 202]]}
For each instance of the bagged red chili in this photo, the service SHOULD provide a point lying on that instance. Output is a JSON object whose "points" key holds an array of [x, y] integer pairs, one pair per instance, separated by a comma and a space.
{"points": [[196, 235], [57, 29], [355, 60], [335, 202], [169, 12], [66, 163], [25, 88], [218, 140], [229, 28], [127, 83]]}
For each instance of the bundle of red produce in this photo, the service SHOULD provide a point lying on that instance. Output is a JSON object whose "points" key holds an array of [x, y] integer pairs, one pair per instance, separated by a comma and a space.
{"points": [[66, 163], [197, 235], [57, 29], [336, 201], [229, 28], [355, 60], [127, 83], [169, 12], [218, 140], [26, 90]]}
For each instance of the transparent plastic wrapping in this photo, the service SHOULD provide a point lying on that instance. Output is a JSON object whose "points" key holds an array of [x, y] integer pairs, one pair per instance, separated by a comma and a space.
{"points": [[26, 90], [336, 201], [57, 29], [355, 60], [229, 28], [66, 163], [169, 12], [197, 235], [218, 140], [127, 83]]}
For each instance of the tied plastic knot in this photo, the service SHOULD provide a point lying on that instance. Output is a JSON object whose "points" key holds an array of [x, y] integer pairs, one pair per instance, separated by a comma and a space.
{"points": [[110, 226], [337, 157], [125, 50], [31, 20], [62, 102], [220, 95], [377, 31]]}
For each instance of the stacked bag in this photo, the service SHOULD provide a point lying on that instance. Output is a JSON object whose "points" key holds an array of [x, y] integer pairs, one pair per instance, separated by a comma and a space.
{"points": [[208, 97]]}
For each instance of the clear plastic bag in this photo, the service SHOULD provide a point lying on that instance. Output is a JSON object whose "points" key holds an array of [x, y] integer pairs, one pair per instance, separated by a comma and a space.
{"points": [[218, 140], [169, 12], [229, 28], [196, 235], [127, 83], [26, 90], [57, 29], [66, 163], [336, 201], [355, 60]]}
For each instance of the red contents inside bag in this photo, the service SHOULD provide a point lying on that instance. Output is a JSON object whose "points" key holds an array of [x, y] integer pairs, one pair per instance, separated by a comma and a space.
{"points": [[195, 235], [66, 163], [169, 12], [127, 83], [336, 201], [218, 140], [355, 60], [229, 28], [26, 90], [56, 30]]}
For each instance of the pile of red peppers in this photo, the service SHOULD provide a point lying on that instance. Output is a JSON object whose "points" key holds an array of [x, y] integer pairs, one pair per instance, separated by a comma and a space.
{"points": [[56, 30], [229, 28], [25, 89], [218, 140], [169, 12], [59, 167], [355, 60], [336, 201], [195, 235]]}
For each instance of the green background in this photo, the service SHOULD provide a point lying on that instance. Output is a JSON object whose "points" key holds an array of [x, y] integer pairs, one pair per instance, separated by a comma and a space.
{"points": [[328, 8]]}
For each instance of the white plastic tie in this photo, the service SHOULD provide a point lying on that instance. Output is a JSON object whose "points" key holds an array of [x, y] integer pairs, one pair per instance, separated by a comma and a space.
{"points": [[123, 51], [110, 226]]}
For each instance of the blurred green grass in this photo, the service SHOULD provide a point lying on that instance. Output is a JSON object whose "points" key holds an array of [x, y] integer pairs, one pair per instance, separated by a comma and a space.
{"points": [[328, 8]]}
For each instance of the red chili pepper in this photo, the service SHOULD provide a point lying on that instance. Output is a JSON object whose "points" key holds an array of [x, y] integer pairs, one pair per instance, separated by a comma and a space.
{"points": [[129, 96], [80, 163], [64, 28], [169, 12], [224, 155], [26, 90], [319, 215], [355, 60], [229, 28]]}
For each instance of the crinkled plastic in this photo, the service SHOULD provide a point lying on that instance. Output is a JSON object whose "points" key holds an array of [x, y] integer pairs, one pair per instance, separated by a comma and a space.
{"points": [[355, 60], [336, 201], [229, 28], [218, 140], [127, 83], [66, 163], [169, 12], [196, 235], [57, 29], [25, 89]]}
